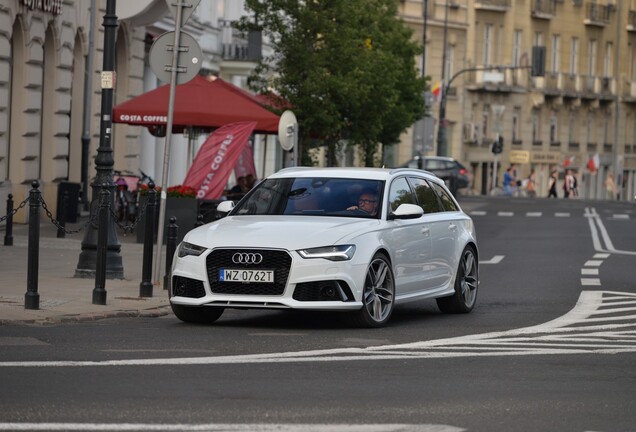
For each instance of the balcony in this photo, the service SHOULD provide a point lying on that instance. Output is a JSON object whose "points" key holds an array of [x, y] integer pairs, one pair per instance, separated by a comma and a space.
{"points": [[628, 92], [492, 5], [501, 81], [236, 47], [631, 21], [542, 9], [597, 15], [572, 85]]}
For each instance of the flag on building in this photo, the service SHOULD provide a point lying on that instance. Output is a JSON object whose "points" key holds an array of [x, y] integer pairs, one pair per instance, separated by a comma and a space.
{"points": [[593, 163], [568, 161], [437, 91]]}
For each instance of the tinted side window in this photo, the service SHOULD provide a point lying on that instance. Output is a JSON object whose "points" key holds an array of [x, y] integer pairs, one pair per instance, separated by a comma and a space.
{"points": [[426, 197], [400, 193], [447, 201]]}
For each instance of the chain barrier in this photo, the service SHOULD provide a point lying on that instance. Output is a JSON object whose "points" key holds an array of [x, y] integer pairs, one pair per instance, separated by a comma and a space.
{"points": [[93, 218], [130, 227], [59, 226], [15, 210]]}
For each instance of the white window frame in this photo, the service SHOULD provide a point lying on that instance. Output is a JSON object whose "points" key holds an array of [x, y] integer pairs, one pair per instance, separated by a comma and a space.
{"points": [[574, 56], [488, 44], [592, 51], [607, 61], [556, 53], [517, 48]]}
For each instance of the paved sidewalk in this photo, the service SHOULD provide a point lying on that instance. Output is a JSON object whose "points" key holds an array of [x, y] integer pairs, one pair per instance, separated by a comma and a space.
{"points": [[64, 298]]}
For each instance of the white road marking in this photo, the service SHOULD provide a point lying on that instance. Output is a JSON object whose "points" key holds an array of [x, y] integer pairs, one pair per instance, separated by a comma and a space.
{"points": [[534, 214], [601, 255], [590, 282], [593, 263], [494, 260], [478, 213], [606, 317], [506, 214], [621, 216], [562, 214], [589, 271], [118, 427], [600, 235]]}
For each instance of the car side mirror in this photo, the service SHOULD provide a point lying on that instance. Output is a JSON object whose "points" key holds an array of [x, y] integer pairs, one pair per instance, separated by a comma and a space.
{"points": [[225, 207], [406, 211]]}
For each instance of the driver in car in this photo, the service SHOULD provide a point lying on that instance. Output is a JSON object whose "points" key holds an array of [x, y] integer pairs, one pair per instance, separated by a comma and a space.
{"points": [[367, 202]]}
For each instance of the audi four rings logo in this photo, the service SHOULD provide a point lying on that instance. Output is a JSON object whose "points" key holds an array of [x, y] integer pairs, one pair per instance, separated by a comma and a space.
{"points": [[247, 258]]}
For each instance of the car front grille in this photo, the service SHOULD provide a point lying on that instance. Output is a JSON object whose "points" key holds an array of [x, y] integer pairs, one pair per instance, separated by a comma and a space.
{"points": [[277, 260], [186, 287]]}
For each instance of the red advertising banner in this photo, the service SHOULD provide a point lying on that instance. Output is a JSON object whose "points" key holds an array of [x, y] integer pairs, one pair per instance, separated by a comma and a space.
{"points": [[245, 163], [216, 159]]}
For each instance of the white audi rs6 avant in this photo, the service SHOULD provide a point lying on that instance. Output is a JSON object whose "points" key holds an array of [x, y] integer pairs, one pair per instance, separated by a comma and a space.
{"points": [[360, 240]]}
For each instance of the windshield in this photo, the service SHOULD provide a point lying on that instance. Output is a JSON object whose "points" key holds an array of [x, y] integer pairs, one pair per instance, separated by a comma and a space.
{"points": [[316, 196]]}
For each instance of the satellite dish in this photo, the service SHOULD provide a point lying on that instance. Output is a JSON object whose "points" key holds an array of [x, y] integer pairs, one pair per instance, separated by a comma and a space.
{"points": [[287, 130]]}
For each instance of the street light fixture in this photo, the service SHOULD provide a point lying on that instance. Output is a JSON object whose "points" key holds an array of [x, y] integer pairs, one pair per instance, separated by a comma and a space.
{"points": [[87, 264]]}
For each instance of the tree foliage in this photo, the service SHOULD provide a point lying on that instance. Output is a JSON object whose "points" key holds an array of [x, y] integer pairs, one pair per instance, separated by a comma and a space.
{"points": [[347, 67]]}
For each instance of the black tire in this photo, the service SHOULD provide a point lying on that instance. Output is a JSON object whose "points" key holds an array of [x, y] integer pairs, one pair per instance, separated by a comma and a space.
{"points": [[466, 285], [378, 297], [197, 314]]}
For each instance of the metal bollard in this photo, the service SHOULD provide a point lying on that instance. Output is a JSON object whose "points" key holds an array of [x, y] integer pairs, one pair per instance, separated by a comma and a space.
{"points": [[62, 222], [99, 292], [171, 246], [32, 297], [8, 233], [145, 287]]}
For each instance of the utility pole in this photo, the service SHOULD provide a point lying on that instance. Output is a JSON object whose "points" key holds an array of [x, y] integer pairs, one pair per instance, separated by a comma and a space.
{"points": [[441, 127]]}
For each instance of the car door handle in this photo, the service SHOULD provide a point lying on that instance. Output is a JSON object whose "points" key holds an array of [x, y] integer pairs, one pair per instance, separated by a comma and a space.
{"points": [[426, 232], [452, 227]]}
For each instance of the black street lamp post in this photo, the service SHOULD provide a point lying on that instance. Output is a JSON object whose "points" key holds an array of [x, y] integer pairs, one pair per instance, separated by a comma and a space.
{"points": [[86, 267]]}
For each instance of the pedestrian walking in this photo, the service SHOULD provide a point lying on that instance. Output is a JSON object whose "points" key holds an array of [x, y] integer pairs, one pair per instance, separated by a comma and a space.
{"points": [[610, 186], [508, 181], [553, 185], [569, 186]]}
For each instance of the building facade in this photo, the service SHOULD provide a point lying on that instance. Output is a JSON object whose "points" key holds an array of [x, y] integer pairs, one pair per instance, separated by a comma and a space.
{"points": [[50, 89], [579, 114]]}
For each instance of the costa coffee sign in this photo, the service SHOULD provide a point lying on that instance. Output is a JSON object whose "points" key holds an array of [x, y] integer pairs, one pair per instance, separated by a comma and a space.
{"points": [[49, 6]]}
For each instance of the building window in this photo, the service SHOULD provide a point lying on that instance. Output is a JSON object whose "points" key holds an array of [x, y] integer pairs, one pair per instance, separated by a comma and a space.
{"points": [[554, 128], [488, 43], [516, 48], [591, 58], [485, 127], [536, 126], [606, 127], [632, 61], [607, 61], [516, 115], [556, 53], [574, 56], [589, 127], [450, 57], [572, 138]]}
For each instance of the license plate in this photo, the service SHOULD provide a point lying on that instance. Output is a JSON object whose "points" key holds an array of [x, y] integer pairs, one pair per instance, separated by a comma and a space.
{"points": [[240, 275]]}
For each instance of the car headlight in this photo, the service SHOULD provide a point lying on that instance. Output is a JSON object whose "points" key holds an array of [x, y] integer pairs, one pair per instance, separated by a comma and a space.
{"points": [[186, 249], [333, 253]]}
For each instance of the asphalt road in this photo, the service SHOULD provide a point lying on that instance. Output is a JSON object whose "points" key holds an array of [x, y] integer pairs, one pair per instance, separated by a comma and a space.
{"points": [[551, 345]]}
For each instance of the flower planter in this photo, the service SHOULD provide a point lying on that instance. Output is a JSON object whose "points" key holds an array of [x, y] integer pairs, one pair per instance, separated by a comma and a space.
{"points": [[184, 209]]}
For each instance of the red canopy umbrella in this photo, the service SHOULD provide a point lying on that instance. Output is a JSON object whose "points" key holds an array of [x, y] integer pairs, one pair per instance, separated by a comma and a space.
{"points": [[198, 103]]}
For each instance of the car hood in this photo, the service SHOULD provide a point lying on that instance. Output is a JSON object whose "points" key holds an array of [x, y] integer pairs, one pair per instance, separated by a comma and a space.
{"points": [[284, 232]]}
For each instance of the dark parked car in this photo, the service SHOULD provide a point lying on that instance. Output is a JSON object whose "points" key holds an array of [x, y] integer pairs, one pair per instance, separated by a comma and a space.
{"points": [[455, 175]]}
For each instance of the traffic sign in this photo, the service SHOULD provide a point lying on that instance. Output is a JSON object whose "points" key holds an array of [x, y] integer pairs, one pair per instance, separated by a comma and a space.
{"points": [[188, 6], [189, 58]]}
